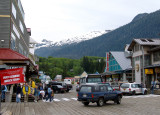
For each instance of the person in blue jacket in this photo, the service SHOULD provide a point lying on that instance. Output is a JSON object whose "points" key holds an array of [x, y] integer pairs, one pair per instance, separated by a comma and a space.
{"points": [[4, 89]]}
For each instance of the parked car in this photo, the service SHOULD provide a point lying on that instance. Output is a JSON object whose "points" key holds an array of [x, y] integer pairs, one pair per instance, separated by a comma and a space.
{"points": [[58, 89], [66, 86], [98, 93], [133, 88]]}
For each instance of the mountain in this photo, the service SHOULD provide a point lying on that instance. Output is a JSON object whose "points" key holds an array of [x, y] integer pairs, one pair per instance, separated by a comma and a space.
{"points": [[147, 26], [50, 46]]}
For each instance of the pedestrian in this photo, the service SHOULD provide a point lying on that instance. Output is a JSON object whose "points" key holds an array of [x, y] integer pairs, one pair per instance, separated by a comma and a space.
{"points": [[52, 95], [4, 89], [152, 86], [18, 93], [26, 92], [41, 91], [49, 90], [36, 94]]}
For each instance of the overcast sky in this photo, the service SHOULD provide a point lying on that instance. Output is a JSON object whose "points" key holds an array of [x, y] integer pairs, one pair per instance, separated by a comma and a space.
{"points": [[56, 20]]}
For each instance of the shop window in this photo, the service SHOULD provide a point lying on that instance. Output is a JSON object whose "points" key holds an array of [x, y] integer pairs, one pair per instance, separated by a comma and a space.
{"points": [[156, 56]]}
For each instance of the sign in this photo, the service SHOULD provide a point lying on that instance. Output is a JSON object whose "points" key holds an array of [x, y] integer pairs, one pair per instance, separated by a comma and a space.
{"points": [[157, 70], [148, 71], [107, 64], [12, 76]]}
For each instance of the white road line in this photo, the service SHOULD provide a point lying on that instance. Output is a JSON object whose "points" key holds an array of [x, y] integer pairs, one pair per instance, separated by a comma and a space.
{"points": [[65, 99], [74, 99], [141, 96], [56, 100]]}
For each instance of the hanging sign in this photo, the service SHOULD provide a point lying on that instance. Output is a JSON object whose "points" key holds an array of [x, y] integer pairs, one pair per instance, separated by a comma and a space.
{"points": [[11, 76], [148, 71]]}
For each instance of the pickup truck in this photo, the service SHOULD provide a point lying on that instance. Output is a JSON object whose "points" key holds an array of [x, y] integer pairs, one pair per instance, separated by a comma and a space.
{"points": [[98, 93]]}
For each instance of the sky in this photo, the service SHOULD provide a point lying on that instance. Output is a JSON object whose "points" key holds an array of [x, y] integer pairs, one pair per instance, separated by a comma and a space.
{"points": [[56, 20]]}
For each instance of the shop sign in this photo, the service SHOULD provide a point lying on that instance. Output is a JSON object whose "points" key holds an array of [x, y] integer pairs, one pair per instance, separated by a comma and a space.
{"points": [[12, 76], [148, 71], [157, 70], [115, 76]]}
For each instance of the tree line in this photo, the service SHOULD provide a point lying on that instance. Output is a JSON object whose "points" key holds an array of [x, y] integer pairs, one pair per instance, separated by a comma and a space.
{"points": [[71, 67]]}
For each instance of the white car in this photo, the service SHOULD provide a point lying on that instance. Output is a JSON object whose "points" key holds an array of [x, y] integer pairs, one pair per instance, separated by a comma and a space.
{"points": [[133, 88]]}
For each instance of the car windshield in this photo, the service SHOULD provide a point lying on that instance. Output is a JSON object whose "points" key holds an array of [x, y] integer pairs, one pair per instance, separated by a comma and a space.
{"points": [[59, 86], [86, 89], [114, 84], [124, 85], [94, 80]]}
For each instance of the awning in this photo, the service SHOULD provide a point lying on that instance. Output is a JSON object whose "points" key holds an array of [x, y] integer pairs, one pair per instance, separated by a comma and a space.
{"points": [[108, 73], [11, 57], [7, 54], [152, 66]]}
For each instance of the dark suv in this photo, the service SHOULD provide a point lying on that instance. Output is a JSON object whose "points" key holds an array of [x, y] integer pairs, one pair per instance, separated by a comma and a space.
{"points": [[98, 93]]}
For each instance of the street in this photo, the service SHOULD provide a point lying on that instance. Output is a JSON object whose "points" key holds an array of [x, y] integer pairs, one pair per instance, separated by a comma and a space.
{"points": [[67, 104]]}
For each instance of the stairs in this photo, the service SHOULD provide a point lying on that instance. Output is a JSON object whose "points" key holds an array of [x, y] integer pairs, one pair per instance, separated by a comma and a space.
{"points": [[30, 98]]}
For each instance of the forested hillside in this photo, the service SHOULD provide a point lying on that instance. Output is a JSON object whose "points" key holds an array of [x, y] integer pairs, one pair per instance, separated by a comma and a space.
{"points": [[71, 67], [147, 26]]}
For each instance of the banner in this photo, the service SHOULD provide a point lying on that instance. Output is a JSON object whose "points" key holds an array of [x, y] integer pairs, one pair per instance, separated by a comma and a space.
{"points": [[11, 76]]}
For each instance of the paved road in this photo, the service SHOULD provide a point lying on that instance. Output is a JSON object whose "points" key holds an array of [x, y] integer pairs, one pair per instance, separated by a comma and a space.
{"points": [[66, 104]]}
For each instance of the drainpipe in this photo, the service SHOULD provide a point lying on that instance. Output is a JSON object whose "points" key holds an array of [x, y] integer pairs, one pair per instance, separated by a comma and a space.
{"points": [[143, 65]]}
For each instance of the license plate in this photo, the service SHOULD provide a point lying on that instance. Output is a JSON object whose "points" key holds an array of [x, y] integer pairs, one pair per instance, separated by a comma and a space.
{"points": [[84, 95]]}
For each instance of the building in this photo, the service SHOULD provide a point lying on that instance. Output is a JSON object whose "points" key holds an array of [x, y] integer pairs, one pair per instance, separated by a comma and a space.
{"points": [[118, 66], [15, 38], [145, 60]]}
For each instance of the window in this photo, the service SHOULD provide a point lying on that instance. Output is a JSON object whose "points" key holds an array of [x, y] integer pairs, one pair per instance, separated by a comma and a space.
{"points": [[20, 49], [16, 31], [14, 11], [156, 56], [21, 26], [86, 89], [20, 8], [110, 88], [102, 88], [124, 85], [143, 40], [136, 47], [13, 44]]}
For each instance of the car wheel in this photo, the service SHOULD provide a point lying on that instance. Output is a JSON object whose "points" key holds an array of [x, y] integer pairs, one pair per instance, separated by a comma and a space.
{"points": [[119, 99], [100, 102], [134, 92], [85, 103], [145, 92]]}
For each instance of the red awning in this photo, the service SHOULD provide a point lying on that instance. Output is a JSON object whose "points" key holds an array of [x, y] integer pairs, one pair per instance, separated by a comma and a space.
{"points": [[7, 54]]}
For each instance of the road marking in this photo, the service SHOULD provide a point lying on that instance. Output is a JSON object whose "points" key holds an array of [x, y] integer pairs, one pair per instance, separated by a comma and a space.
{"points": [[56, 100], [141, 96], [74, 99], [65, 99]]}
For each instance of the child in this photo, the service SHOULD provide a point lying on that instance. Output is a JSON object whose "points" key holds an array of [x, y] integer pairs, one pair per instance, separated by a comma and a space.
{"points": [[52, 95]]}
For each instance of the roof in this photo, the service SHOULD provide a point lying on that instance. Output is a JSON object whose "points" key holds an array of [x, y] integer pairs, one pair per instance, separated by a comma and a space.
{"points": [[108, 73], [144, 41], [124, 62], [32, 41], [8, 54]]}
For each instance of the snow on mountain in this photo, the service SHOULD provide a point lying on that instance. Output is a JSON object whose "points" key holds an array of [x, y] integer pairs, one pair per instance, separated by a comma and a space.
{"points": [[91, 35]]}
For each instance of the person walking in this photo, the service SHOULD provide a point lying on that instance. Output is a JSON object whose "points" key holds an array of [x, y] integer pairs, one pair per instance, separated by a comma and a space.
{"points": [[4, 89], [49, 90], [152, 86], [26, 92], [36, 93], [18, 93]]}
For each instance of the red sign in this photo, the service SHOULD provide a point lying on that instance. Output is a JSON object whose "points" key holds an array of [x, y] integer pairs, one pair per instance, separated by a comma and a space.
{"points": [[12, 76]]}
